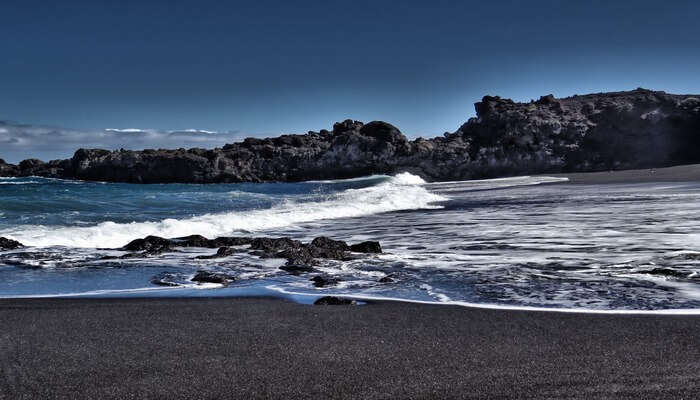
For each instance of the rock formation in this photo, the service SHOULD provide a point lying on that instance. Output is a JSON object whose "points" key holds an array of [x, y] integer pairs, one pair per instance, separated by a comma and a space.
{"points": [[621, 130]]}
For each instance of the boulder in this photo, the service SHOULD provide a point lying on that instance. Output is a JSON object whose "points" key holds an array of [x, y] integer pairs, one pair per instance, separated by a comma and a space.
{"points": [[222, 252], [324, 280], [334, 301], [366, 247], [213, 277], [8, 170], [296, 269], [667, 272], [149, 243], [327, 243], [274, 244], [166, 279], [9, 244]]}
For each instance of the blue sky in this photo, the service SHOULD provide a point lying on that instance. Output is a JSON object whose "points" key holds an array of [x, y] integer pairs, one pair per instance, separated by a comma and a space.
{"points": [[258, 68]]}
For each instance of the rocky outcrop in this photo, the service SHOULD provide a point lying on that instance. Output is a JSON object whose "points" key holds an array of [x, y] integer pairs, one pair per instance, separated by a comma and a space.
{"points": [[222, 252], [9, 244], [621, 130], [155, 243], [301, 257], [8, 169], [369, 246]]}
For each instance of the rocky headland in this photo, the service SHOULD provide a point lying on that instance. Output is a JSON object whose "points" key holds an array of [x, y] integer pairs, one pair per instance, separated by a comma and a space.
{"points": [[595, 132]]}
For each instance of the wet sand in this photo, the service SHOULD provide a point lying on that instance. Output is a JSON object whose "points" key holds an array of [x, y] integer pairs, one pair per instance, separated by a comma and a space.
{"points": [[681, 173], [266, 348]]}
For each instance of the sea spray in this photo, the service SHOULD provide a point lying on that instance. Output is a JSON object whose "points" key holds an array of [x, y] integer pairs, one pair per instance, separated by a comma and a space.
{"points": [[401, 192]]}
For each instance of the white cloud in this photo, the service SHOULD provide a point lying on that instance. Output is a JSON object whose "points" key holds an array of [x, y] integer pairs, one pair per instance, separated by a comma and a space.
{"points": [[20, 141]]}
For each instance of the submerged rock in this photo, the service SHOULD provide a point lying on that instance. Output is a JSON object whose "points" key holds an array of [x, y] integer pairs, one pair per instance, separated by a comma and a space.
{"points": [[328, 243], [668, 272], [274, 244], [155, 244], [296, 269], [9, 244], [190, 241], [301, 257], [222, 252], [166, 279], [201, 241], [334, 301], [213, 277], [149, 243], [366, 247], [323, 281]]}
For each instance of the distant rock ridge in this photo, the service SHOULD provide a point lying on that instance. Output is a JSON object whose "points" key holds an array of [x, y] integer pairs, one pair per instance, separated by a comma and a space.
{"points": [[594, 132]]}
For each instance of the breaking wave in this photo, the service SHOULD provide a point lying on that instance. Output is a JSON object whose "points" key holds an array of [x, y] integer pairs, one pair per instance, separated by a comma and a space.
{"points": [[401, 192]]}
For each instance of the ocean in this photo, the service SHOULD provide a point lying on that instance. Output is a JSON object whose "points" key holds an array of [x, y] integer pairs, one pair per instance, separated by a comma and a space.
{"points": [[523, 242]]}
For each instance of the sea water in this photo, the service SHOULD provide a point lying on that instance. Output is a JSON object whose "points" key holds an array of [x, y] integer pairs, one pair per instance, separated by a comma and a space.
{"points": [[515, 242]]}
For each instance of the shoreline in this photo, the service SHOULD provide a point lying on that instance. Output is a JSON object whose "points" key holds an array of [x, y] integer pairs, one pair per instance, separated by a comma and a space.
{"points": [[271, 348], [678, 173], [166, 293]]}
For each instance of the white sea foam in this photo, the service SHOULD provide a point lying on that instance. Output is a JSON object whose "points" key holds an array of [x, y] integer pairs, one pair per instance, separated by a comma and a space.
{"points": [[123, 292], [402, 192], [11, 180], [8, 182], [361, 296], [359, 179], [497, 183]]}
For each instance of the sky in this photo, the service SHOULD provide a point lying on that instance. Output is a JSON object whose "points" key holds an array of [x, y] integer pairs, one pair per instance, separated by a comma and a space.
{"points": [[138, 74]]}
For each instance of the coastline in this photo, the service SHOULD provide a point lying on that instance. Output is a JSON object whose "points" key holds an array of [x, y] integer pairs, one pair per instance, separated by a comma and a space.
{"points": [[679, 173], [269, 348]]}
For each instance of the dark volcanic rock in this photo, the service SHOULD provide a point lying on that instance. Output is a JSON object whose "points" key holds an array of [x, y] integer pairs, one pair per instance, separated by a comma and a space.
{"points": [[8, 169], [296, 269], [9, 244], [213, 277], [166, 279], [297, 255], [201, 241], [222, 252], [227, 241], [620, 130], [150, 244], [191, 241], [301, 257], [327, 243], [366, 247], [276, 244], [323, 281], [334, 301], [668, 272]]}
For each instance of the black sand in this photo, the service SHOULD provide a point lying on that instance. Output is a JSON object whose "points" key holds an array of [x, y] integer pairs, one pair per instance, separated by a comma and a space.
{"points": [[681, 173], [264, 348]]}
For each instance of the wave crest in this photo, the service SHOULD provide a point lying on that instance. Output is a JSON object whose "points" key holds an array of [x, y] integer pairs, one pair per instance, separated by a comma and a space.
{"points": [[401, 192]]}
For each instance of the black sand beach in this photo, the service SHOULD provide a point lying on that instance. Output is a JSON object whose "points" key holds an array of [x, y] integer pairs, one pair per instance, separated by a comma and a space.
{"points": [[680, 173], [266, 348]]}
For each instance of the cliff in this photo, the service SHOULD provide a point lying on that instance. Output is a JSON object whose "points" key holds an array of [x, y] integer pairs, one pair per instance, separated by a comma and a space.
{"points": [[621, 130]]}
